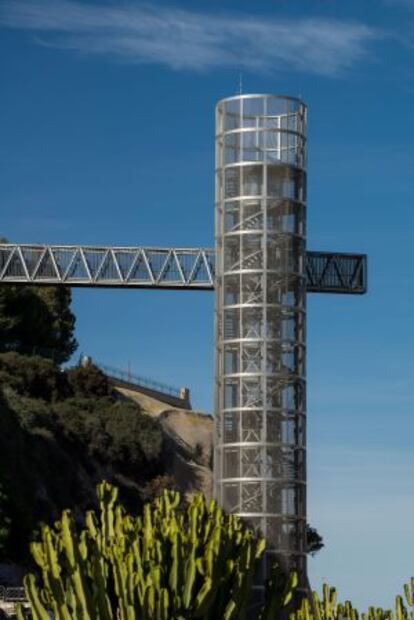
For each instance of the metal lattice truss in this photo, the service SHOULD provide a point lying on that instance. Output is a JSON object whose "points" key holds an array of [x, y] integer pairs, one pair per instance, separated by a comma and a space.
{"points": [[107, 266], [336, 273], [171, 268]]}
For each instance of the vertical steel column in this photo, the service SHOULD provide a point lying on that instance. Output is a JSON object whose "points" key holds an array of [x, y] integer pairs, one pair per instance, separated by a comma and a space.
{"points": [[260, 442]]}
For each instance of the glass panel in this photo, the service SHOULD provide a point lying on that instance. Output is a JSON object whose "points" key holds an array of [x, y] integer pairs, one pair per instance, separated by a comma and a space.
{"points": [[293, 359], [281, 462], [285, 253], [252, 252], [252, 110], [291, 396], [252, 321], [252, 150], [252, 288], [251, 462], [285, 183], [231, 359], [285, 396], [231, 182], [277, 106], [252, 180], [252, 392], [252, 425], [252, 497], [252, 358], [273, 328], [231, 216], [285, 216], [231, 324], [232, 145], [231, 284], [289, 121], [283, 429], [290, 498], [231, 496], [289, 291], [274, 498], [232, 114], [231, 462], [252, 218], [231, 426], [231, 393], [275, 176], [231, 253], [284, 535]]}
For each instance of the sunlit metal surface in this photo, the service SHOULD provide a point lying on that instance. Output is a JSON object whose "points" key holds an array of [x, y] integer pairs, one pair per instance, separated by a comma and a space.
{"points": [[260, 421], [107, 266], [186, 268]]}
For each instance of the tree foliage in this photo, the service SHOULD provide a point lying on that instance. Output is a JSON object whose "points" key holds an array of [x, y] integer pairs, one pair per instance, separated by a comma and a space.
{"points": [[88, 381], [314, 540], [37, 320]]}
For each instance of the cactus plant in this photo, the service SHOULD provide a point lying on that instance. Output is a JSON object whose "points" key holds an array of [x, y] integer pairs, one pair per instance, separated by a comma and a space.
{"points": [[329, 609], [166, 564]]}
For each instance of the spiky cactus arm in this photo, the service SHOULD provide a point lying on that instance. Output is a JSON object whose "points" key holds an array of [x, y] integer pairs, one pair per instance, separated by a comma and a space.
{"points": [[168, 563]]}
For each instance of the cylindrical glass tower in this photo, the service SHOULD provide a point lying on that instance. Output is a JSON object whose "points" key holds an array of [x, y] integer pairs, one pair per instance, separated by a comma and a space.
{"points": [[260, 441]]}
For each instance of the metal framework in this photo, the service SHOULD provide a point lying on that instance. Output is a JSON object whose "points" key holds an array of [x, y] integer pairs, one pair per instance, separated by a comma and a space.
{"points": [[171, 268], [260, 423]]}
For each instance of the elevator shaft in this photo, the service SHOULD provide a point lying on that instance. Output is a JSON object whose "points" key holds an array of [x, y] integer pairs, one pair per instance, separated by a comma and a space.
{"points": [[260, 317]]}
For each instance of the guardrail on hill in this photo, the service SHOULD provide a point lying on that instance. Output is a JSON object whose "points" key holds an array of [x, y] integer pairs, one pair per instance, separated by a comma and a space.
{"points": [[160, 391], [139, 381]]}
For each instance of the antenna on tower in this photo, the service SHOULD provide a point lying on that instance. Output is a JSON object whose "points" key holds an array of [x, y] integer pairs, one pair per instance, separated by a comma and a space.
{"points": [[240, 82]]}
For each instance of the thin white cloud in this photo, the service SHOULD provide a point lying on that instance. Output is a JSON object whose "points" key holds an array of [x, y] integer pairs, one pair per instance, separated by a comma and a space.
{"points": [[182, 39]]}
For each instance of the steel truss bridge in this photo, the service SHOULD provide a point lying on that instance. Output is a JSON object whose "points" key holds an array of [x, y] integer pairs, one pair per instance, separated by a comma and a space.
{"points": [[160, 268]]}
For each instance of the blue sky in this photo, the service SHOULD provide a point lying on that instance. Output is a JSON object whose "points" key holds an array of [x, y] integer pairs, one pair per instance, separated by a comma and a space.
{"points": [[107, 137]]}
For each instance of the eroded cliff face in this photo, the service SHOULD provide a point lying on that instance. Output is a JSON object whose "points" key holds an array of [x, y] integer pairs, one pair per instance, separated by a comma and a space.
{"points": [[188, 437]]}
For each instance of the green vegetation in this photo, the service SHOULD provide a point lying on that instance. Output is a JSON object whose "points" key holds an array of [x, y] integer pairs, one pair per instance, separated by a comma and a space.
{"points": [[37, 320], [328, 607], [168, 564], [62, 432]]}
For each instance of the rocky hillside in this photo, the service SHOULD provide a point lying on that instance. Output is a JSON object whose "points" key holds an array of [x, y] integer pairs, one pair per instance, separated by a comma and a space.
{"points": [[187, 442], [61, 432]]}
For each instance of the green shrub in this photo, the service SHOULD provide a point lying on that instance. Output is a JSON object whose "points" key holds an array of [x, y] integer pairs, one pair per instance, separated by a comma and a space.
{"points": [[113, 431], [88, 381], [34, 377]]}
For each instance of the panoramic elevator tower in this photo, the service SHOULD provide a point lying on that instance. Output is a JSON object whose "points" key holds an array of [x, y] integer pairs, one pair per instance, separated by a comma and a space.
{"points": [[260, 408]]}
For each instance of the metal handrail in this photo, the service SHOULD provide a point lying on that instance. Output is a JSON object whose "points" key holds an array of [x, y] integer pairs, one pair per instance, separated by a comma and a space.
{"points": [[139, 381]]}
